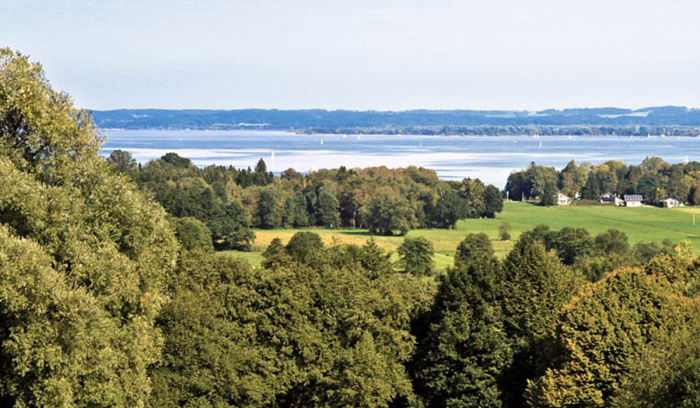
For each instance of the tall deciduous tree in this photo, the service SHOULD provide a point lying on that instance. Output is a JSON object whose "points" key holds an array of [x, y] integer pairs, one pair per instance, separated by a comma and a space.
{"points": [[83, 256]]}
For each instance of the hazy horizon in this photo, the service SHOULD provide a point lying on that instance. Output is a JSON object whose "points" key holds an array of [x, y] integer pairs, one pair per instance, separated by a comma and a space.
{"points": [[363, 55]]}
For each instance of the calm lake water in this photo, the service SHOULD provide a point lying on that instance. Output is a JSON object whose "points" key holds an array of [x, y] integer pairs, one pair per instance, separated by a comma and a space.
{"points": [[490, 158]]}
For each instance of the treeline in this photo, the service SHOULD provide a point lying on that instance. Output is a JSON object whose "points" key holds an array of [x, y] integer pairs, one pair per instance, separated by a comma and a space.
{"points": [[230, 201], [653, 178]]}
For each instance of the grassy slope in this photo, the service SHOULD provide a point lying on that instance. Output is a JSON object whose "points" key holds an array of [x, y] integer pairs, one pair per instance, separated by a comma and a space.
{"points": [[640, 224]]}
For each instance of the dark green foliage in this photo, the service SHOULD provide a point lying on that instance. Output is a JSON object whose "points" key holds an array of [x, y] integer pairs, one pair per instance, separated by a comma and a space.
{"points": [[122, 162], [612, 241], [286, 335], [304, 246], [666, 374], [328, 205], [389, 215], [474, 249], [465, 350], [653, 179], [570, 244], [375, 261], [449, 209], [387, 202], [535, 287], [193, 234], [493, 202], [549, 195], [416, 256], [185, 192], [276, 247]]}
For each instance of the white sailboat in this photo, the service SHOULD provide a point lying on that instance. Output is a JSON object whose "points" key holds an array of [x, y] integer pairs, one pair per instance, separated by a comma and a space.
{"points": [[420, 145], [686, 161], [321, 140], [540, 144]]}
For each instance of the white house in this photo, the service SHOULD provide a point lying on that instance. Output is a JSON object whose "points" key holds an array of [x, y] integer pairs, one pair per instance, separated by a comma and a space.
{"points": [[563, 199], [670, 202], [633, 200], [607, 198]]}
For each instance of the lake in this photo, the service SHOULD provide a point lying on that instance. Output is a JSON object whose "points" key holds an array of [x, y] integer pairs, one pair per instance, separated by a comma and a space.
{"points": [[490, 158]]}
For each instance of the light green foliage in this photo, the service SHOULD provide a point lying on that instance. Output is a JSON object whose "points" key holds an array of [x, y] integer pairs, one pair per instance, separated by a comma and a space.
{"points": [[604, 331], [83, 254], [416, 256], [504, 231]]}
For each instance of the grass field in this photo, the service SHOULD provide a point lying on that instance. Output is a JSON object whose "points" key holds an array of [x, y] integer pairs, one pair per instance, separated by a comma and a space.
{"points": [[640, 224]]}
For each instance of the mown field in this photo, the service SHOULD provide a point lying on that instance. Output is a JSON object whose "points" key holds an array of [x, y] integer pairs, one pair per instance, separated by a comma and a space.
{"points": [[640, 224]]}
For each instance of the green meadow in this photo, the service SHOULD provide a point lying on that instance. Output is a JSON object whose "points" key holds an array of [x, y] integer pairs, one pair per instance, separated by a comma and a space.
{"points": [[640, 224]]}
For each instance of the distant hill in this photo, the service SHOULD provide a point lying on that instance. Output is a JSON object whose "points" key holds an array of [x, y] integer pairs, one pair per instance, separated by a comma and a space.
{"points": [[654, 120]]}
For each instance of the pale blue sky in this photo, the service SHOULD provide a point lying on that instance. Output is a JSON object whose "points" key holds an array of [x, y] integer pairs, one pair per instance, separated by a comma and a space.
{"points": [[363, 54]]}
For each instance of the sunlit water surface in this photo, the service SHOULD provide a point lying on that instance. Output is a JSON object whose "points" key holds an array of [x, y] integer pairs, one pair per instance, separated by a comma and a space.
{"points": [[490, 158]]}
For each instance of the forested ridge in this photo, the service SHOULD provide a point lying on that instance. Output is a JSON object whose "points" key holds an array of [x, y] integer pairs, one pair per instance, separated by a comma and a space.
{"points": [[106, 300], [663, 120]]}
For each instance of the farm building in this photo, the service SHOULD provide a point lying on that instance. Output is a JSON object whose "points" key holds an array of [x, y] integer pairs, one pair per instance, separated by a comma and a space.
{"points": [[563, 199], [670, 202], [607, 198], [633, 200]]}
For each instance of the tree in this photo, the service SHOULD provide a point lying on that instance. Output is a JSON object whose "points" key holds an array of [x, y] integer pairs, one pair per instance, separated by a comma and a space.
{"points": [[474, 249], [389, 215], [193, 234], [602, 334], [449, 209], [504, 231], [463, 349], [570, 244], [612, 241], [665, 374], [304, 246], [473, 191], [493, 202], [416, 256], [549, 195], [269, 210], [328, 207], [275, 247], [122, 162], [83, 256], [535, 287]]}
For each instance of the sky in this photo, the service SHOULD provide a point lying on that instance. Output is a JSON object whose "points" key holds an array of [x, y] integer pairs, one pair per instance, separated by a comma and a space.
{"points": [[362, 54]]}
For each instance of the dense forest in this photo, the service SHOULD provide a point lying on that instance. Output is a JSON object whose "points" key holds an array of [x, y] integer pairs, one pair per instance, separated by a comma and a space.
{"points": [[108, 301], [230, 201], [653, 178]]}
